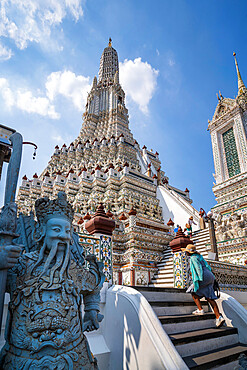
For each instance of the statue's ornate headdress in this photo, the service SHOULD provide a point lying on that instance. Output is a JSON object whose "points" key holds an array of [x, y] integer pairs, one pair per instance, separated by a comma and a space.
{"points": [[46, 208]]}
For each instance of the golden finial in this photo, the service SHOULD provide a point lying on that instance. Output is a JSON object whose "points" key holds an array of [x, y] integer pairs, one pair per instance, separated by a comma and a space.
{"points": [[241, 86], [109, 44]]}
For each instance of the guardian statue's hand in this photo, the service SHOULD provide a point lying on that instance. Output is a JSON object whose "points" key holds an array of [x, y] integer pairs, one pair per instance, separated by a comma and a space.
{"points": [[9, 255], [91, 320]]}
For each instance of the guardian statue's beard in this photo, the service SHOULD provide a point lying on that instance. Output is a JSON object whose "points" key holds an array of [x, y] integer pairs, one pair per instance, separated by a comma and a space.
{"points": [[53, 260]]}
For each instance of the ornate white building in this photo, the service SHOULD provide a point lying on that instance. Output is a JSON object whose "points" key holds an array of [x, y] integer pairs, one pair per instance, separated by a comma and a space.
{"points": [[106, 164], [228, 130]]}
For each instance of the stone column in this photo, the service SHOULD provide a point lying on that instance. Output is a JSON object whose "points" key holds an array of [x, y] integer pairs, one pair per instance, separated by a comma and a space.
{"points": [[212, 236], [181, 270]]}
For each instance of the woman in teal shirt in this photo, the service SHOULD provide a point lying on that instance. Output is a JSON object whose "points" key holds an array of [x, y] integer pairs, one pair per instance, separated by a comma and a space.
{"points": [[203, 281]]}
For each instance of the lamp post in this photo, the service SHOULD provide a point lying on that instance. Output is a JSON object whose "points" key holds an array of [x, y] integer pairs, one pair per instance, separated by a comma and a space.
{"points": [[11, 151], [5, 151]]}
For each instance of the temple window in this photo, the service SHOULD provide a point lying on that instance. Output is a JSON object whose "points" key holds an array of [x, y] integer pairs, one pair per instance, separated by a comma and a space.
{"points": [[231, 153]]}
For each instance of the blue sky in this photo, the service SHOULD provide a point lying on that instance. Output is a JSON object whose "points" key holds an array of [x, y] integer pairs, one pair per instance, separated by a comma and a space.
{"points": [[179, 52]]}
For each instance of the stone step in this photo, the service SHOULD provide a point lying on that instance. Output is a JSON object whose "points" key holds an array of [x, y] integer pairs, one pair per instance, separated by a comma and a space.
{"points": [[167, 294], [162, 308], [200, 244], [162, 281], [166, 258], [164, 294], [166, 277], [167, 261], [164, 264], [174, 324], [177, 319], [200, 236], [200, 232], [167, 251], [197, 235], [167, 254], [144, 289], [201, 239], [215, 358], [198, 341], [164, 271], [187, 326], [166, 285], [165, 267], [200, 247]]}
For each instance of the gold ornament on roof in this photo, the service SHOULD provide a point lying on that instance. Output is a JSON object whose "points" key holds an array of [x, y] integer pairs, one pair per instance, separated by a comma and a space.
{"points": [[109, 44], [241, 86]]}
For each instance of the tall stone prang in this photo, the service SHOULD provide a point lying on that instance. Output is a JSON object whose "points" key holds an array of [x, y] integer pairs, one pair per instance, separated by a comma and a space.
{"points": [[228, 130], [105, 164]]}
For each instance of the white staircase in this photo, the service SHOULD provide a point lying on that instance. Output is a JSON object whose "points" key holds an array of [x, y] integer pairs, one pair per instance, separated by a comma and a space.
{"points": [[200, 238], [164, 277], [196, 338]]}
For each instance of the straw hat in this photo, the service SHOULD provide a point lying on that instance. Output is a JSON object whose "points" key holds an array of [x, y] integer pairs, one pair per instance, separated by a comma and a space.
{"points": [[190, 248], [191, 218]]}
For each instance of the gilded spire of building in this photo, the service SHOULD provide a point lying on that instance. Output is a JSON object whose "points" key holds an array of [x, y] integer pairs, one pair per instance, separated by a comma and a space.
{"points": [[241, 86], [108, 63], [242, 91]]}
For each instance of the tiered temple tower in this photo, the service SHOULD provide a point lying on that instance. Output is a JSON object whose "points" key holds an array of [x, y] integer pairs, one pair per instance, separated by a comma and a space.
{"points": [[105, 164], [228, 130]]}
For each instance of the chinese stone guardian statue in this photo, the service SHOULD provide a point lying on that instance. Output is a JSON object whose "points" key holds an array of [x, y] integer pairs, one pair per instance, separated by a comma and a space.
{"points": [[47, 288]]}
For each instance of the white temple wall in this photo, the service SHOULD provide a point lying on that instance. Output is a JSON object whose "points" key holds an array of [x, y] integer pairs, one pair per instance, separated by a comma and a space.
{"points": [[176, 208]]}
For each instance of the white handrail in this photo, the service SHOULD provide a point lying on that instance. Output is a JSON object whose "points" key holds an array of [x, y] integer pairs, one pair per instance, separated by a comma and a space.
{"points": [[144, 337], [234, 314]]}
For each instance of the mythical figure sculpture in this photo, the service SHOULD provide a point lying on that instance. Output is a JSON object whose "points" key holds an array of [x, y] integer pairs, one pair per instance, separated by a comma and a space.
{"points": [[47, 288]]}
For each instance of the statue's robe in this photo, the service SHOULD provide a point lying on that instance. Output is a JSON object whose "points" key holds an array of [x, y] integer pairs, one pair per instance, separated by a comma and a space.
{"points": [[45, 326]]}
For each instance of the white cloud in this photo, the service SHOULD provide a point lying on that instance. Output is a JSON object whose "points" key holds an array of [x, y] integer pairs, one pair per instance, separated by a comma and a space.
{"points": [[5, 53], [67, 84], [58, 139], [139, 80], [34, 20], [6, 92], [24, 100], [40, 105]]}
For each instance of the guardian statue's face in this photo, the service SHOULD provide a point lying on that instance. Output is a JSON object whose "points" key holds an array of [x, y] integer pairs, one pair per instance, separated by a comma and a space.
{"points": [[58, 233]]}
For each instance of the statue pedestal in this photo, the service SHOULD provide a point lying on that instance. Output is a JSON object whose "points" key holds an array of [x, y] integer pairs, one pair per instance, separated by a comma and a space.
{"points": [[181, 266], [181, 270], [101, 246]]}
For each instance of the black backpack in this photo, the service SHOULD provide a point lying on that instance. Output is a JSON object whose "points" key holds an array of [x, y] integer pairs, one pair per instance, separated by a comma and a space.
{"points": [[216, 288]]}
